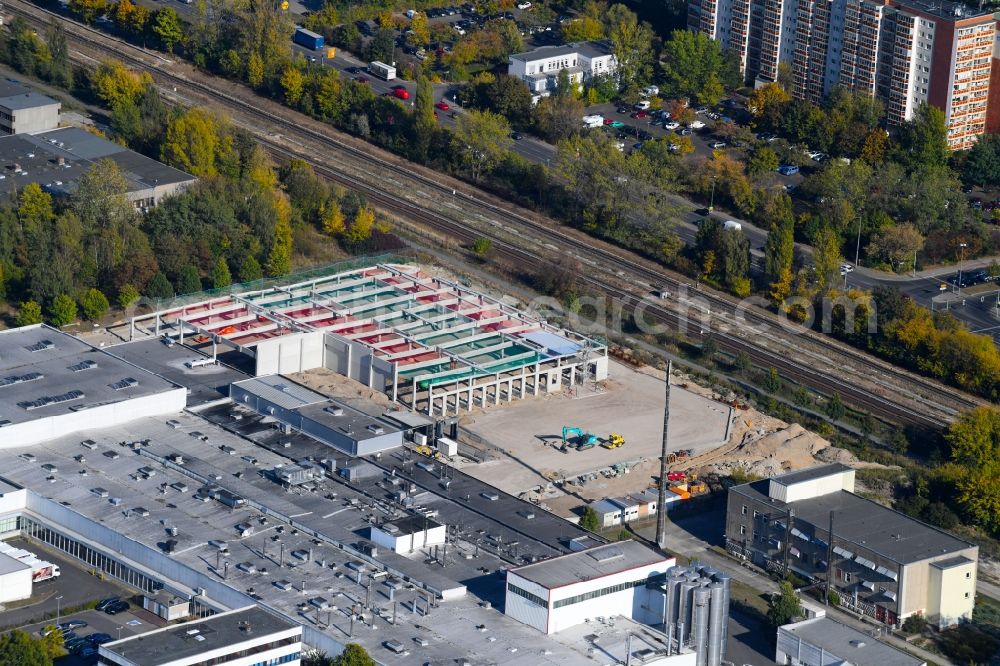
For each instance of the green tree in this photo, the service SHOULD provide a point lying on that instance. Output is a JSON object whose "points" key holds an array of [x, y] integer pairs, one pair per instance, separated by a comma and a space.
{"points": [[632, 43], [784, 606], [167, 27], [424, 121], [361, 226], [159, 287], [188, 282], [826, 258], [835, 408], [564, 87], [62, 311], [779, 248], [221, 276], [482, 246], [590, 521], [772, 381], [353, 655], [88, 9], [52, 641], [194, 141], [974, 439], [558, 117], [762, 160], [509, 97], [101, 203], [482, 138], [983, 164], [923, 141], [279, 259], [897, 245], [128, 296], [94, 304], [250, 269], [742, 362], [30, 313], [20, 649], [292, 83], [694, 65], [255, 70], [60, 71]]}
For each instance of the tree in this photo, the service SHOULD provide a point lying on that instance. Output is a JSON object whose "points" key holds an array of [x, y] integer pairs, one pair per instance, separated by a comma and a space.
{"points": [[784, 606], [88, 9], [52, 641], [255, 70], [983, 164], [915, 624], [188, 282], [482, 246], [20, 649], [333, 219], [693, 65], [590, 521], [896, 245], [564, 87], [826, 258], [167, 26], [482, 139], [279, 259], [742, 362], [632, 43], [424, 121], [62, 311], [766, 105], [421, 32], [353, 655], [221, 277], [250, 269], [835, 407], [509, 97], [762, 160], [292, 82], [128, 295], [558, 117], [94, 304], [974, 439], [101, 203], [361, 226], [779, 248], [923, 140], [159, 287], [30, 313], [60, 71], [585, 29], [194, 142]]}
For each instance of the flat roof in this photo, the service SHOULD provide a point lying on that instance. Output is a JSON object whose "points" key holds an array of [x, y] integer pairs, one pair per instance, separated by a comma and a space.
{"points": [[584, 565], [944, 9], [410, 525], [280, 391], [10, 564], [588, 49], [853, 646], [952, 562], [189, 639], [353, 423], [38, 156], [45, 372], [16, 95], [810, 473], [877, 528]]}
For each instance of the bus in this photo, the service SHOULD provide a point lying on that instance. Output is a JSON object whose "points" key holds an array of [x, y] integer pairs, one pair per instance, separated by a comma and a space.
{"points": [[382, 70]]}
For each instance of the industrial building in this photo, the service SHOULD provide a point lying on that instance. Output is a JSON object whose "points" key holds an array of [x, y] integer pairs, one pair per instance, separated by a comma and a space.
{"points": [[562, 592], [52, 384], [821, 641], [428, 343], [613, 511], [882, 563], [694, 607], [57, 158], [903, 52], [242, 637], [15, 579], [24, 111]]}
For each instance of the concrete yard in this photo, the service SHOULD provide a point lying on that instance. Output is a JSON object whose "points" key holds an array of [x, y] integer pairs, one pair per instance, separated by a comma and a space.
{"points": [[630, 404]]}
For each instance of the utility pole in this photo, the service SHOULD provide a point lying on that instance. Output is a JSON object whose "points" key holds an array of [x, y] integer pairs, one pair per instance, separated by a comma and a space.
{"points": [[661, 511]]}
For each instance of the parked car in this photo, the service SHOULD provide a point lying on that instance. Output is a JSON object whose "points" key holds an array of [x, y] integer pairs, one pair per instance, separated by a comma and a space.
{"points": [[640, 114], [362, 80], [846, 268], [517, 136], [671, 125], [117, 607], [717, 145], [696, 124], [524, 5], [443, 106], [99, 639], [788, 169], [72, 624], [104, 603]]}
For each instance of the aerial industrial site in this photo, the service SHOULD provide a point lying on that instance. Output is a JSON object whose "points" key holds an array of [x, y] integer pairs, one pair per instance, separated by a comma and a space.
{"points": [[382, 457]]}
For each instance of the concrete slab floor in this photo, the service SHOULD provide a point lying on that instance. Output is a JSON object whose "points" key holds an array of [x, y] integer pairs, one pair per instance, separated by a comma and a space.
{"points": [[530, 430]]}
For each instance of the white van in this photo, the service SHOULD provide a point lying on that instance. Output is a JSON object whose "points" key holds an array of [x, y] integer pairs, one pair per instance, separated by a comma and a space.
{"points": [[642, 106], [733, 224], [651, 91], [595, 120]]}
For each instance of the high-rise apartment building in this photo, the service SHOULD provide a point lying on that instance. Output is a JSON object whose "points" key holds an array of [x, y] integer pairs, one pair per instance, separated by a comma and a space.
{"points": [[904, 52]]}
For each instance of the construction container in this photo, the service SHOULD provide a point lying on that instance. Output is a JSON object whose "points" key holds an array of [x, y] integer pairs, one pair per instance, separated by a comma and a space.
{"points": [[308, 39]]}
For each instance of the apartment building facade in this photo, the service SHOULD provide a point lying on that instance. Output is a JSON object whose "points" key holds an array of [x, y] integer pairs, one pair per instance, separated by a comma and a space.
{"points": [[540, 68], [904, 52]]}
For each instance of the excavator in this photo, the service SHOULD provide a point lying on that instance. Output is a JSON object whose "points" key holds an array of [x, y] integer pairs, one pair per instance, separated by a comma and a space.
{"points": [[584, 440], [614, 441]]}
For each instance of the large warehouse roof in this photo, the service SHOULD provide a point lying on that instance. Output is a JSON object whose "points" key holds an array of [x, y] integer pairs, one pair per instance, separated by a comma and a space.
{"points": [[584, 565], [850, 645]]}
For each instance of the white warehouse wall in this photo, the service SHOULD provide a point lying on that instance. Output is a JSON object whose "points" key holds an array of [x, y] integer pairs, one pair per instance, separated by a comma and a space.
{"points": [[15, 585], [103, 416], [522, 609], [289, 354], [403, 544]]}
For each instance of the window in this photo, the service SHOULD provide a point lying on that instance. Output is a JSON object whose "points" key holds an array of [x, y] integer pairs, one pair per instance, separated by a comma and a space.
{"points": [[524, 594], [744, 509], [569, 601], [968, 574], [743, 529], [966, 595]]}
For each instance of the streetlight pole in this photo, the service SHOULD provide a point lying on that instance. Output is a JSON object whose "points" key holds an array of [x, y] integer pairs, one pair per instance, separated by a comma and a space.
{"points": [[857, 250], [958, 284], [711, 201], [58, 609]]}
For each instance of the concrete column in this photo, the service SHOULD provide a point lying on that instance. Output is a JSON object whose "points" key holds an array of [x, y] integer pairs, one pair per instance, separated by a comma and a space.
{"points": [[472, 388], [430, 400], [496, 390], [537, 368], [395, 382]]}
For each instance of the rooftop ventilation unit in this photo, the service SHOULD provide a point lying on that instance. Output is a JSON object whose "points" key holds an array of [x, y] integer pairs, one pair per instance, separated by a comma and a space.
{"points": [[335, 411], [375, 429], [84, 365], [123, 384], [50, 400], [606, 553], [41, 345], [20, 379]]}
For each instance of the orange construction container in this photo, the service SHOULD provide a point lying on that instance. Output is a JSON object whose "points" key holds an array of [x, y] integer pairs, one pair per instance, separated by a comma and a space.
{"points": [[683, 494]]}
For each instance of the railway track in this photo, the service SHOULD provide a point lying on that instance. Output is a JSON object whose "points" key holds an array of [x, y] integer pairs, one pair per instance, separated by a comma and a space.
{"points": [[936, 403]]}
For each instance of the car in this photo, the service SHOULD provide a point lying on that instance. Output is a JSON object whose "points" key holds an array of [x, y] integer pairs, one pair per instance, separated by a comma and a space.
{"points": [[117, 607], [846, 268], [788, 169], [643, 135], [623, 109], [72, 624], [443, 106], [717, 145], [640, 114], [696, 124], [104, 603], [400, 93], [99, 639], [813, 154], [637, 146], [361, 79], [617, 124], [685, 132], [70, 636], [517, 136], [88, 652], [490, 495], [524, 5], [671, 125]]}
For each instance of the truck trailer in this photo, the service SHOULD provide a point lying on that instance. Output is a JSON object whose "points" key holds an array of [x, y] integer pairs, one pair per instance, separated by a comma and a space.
{"points": [[308, 39]]}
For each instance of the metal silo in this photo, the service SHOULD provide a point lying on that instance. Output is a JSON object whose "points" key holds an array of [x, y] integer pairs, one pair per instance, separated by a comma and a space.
{"points": [[725, 579], [685, 601], [717, 620], [702, 599]]}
